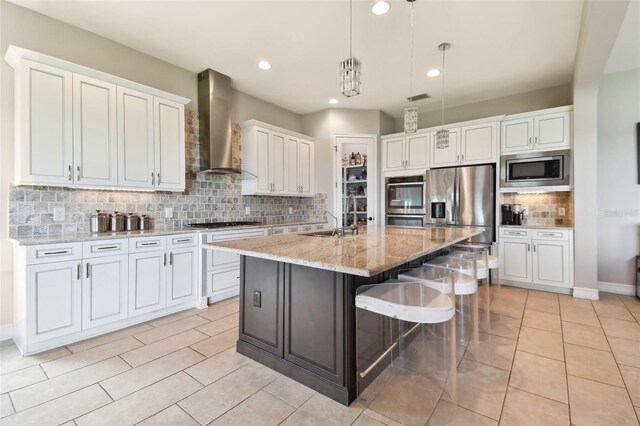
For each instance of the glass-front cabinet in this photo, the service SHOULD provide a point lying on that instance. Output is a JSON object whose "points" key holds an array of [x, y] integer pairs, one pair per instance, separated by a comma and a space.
{"points": [[356, 178]]}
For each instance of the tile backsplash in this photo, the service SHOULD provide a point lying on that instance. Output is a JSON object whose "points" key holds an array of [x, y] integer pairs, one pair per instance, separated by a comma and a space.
{"points": [[208, 198], [543, 209]]}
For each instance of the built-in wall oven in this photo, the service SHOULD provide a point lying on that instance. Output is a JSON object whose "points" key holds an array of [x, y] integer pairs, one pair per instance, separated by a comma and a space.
{"points": [[548, 168], [406, 200]]}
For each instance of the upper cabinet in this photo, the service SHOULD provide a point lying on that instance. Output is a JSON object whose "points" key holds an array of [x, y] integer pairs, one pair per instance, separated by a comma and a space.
{"points": [[281, 161], [410, 152], [78, 127], [537, 131]]}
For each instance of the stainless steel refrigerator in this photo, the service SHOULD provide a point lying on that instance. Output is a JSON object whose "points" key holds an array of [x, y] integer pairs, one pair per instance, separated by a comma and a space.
{"points": [[463, 196]]}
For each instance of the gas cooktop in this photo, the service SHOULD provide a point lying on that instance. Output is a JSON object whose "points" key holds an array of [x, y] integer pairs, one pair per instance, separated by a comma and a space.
{"points": [[211, 225]]}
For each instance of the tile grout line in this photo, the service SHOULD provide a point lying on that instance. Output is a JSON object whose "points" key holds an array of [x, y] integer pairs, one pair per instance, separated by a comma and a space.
{"points": [[566, 373]]}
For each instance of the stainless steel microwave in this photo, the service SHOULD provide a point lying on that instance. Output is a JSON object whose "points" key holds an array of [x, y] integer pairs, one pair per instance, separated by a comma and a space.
{"points": [[535, 169]]}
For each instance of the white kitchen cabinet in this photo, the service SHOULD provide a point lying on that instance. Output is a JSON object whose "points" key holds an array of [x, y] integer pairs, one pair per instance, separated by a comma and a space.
{"points": [[551, 262], [104, 290], [136, 156], [449, 155], [537, 131], [182, 275], [95, 143], [406, 153], [168, 118], [55, 290], [43, 125], [542, 256], [281, 161], [147, 282], [479, 144]]}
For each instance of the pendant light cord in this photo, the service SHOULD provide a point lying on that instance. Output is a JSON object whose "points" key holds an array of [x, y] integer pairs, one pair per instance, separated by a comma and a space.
{"points": [[444, 47], [411, 62], [350, 28]]}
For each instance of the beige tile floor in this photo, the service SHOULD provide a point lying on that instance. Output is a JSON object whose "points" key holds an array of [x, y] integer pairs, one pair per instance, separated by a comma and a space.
{"points": [[540, 359]]}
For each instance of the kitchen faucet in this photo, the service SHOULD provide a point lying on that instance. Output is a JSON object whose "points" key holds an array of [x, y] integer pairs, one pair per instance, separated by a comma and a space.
{"points": [[336, 230]]}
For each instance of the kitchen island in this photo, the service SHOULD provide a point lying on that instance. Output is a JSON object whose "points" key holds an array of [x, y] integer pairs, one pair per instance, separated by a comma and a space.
{"points": [[297, 299]]}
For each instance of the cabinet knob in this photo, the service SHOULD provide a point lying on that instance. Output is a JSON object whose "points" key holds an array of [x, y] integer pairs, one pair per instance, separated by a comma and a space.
{"points": [[370, 219]]}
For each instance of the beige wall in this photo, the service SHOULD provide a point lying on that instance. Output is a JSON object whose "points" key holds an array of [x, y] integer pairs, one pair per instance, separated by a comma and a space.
{"points": [[522, 102], [247, 107], [618, 185]]}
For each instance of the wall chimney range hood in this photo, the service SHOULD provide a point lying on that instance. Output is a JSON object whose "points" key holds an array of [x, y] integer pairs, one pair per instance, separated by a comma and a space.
{"points": [[214, 107]]}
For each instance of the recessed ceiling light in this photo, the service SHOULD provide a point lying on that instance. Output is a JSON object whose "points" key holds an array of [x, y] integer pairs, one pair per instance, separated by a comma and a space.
{"points": [[380, 8], [433, 73], [333, 101], [264, 65]]}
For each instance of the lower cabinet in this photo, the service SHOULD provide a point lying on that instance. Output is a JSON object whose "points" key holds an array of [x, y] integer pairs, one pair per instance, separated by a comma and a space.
{"points": [[54, 291], [104, 290], [182, 275], [516, 259], [147, 282], [551, 262]]}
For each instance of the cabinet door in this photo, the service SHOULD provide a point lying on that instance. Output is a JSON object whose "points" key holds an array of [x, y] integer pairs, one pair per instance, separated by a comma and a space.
{"points": [[515, 258], [417, 152], [393, 154], [95, 144], [306, 168], [223, 281], [293, 165], [43, 132], [479, 144], [135, 139], [182, 275], [552, 131], [263, 148], [449, 155], [277, 162], [147, 282], [53, 300], [516, 135], [168, 118], [551, 262], [314, 321], [104, 290]]}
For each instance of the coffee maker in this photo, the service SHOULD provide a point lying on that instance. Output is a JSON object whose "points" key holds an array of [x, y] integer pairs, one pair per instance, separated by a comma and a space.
{"points": [[507, 214]]}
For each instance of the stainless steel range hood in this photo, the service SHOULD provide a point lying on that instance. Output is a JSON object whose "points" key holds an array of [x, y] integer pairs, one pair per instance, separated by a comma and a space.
{"points": [[214, 106]]}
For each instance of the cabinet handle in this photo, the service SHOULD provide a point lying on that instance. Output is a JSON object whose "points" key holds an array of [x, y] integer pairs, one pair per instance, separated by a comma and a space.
{"points": [[88, 269], [529, 141], [70, 173], [158, 178], [171, 258], [78, 168], [528, 247], [165, 259], [534, 247], [108, 248], [78, 272], [151, 243], [183, 240], [153, 179], [462, 158], [550, 234], [535, 140], [55, 253]]}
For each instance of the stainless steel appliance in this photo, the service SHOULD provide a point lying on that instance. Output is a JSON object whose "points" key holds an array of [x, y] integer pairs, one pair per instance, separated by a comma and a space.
{"points": [[549, 168], [507, 214], [406, 203], [463, 196]]}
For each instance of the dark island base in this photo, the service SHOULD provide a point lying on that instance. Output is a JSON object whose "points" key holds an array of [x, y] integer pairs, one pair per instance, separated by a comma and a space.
{"points": [[301, 322]]}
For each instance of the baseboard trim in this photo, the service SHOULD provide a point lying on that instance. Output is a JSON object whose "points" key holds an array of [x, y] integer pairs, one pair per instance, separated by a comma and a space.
{"points": [[6, 332], [585, 293], [617, 288]]}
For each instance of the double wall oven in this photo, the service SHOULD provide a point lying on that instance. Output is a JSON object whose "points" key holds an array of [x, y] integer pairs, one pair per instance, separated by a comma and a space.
{"points": [[406, 203]]}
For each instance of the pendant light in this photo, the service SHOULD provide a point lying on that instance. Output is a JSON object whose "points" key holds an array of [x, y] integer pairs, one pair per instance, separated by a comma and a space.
{"points": [[411, 113], [442, 135], [351, 68]]}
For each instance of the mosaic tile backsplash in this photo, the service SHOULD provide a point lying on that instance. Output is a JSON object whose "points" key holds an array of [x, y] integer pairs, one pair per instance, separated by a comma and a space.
{"points": [[208, 198], [543, 209]]}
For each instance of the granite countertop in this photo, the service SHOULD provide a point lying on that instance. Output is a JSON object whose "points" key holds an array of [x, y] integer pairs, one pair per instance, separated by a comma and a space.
{"points": [[377, 249], [562, 227], [72, 238]]}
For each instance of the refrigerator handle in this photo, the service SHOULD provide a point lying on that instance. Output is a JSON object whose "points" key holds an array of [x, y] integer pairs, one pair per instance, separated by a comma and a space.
{"points": [[456, 198]]}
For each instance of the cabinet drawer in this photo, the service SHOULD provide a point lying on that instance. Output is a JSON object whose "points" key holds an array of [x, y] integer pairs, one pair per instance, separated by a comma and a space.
{"points": [[238, 235], [53, 253], [307, 228], [292, 229], [143, 244], [223, 280], [105, 248], [555, 234], [515, 233], [319, 226], [278, 231], [223, 259], [182, 240]]}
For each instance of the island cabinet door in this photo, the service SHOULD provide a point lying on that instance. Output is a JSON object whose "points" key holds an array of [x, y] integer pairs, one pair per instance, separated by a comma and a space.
{"points": [[314, 321], [261, 318]]}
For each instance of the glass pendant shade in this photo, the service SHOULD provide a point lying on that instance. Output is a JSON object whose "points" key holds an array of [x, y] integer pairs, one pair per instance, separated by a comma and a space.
{"points": [[410, 120], [350, 77], [442, 139]]}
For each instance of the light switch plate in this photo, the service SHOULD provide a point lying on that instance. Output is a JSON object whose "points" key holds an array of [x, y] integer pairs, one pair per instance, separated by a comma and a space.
{"points": [[58, 214], [247, 210], [168, 213], [561, 211], [290, 210]]}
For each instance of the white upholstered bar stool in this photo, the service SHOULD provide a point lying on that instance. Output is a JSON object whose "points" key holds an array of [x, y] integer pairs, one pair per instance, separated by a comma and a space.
{"points": [[390, 321]]}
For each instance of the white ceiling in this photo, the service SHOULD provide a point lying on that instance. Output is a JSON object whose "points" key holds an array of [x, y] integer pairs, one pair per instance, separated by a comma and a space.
{"points": [[626, 50], [499, 48]]}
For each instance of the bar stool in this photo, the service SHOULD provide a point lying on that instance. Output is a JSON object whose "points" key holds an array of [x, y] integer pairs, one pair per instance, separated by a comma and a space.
{"points": [[483, 254], [391, 318]]}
